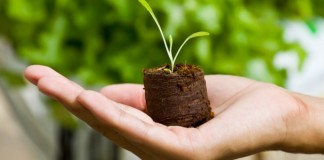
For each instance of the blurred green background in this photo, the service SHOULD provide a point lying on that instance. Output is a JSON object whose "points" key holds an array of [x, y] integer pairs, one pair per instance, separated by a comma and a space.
{"points": [[101, 42]]}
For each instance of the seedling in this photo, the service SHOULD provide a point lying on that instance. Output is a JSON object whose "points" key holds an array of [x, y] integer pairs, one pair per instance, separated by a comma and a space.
{"points": [[169, 47], [178, 95]]}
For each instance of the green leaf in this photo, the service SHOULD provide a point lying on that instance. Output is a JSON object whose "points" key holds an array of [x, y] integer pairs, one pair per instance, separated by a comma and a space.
{"points": [[197, 34], [149, 9], [171, 42], [147, 6]]}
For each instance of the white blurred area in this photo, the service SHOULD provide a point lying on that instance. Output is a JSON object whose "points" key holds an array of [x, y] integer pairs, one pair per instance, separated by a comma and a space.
{"points": [[309, 78]]}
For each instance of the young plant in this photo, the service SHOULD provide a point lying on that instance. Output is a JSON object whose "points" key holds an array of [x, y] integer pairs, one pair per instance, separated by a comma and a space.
{"points": [[169, 48]]}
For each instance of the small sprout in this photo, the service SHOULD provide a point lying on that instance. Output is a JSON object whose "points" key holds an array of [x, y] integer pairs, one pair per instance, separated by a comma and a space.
{"points": [[169, 48], [167, 70]]}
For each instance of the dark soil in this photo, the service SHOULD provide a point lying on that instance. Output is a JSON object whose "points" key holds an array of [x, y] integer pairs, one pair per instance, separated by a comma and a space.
{"points": [[178, 98]]}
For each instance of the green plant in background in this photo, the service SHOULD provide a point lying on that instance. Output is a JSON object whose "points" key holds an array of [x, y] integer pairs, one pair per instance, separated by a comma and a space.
{"points": [[100, 42], [169, 48], [103, 42]]}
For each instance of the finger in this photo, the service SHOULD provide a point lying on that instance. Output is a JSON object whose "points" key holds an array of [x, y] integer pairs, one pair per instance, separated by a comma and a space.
{"points": [[137, 131], [128, 94], [66, 92], [35, 72], [112, 113], [58, 87], [62, 90]]}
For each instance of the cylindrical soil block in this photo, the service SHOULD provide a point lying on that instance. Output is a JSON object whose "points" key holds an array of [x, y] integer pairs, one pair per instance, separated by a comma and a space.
{"points": [[177, 98]]}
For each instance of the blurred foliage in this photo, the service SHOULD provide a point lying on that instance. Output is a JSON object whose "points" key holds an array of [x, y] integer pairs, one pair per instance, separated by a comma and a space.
{"points": [[100, 42]]}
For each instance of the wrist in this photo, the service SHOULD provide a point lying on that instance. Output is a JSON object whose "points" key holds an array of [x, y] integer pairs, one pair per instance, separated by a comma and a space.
{"points": [[305, 129], [316, 123]]}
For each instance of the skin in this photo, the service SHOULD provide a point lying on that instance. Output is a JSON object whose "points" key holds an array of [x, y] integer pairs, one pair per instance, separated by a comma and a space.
{"points": [[250, 117]]}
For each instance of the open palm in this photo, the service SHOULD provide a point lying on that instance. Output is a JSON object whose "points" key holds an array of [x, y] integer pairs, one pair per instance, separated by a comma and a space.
{"points": [[250, 116]]}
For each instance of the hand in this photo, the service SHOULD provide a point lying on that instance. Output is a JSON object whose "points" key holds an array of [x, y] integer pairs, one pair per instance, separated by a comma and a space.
{"points": [[250, 116]]}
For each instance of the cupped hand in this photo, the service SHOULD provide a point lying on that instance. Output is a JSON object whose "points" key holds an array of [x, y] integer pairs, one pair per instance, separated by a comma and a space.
{"points": [[250, 116]]}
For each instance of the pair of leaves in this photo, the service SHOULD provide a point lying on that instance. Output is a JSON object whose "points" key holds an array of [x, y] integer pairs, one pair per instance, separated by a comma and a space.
{"points": [[169, 48]]}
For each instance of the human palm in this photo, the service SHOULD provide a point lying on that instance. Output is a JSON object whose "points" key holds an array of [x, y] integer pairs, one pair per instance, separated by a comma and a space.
{"points": [[250, 116]]}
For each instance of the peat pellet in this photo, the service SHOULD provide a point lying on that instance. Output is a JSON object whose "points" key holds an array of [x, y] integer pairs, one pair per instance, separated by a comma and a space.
{"points": [[177, 98]]}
